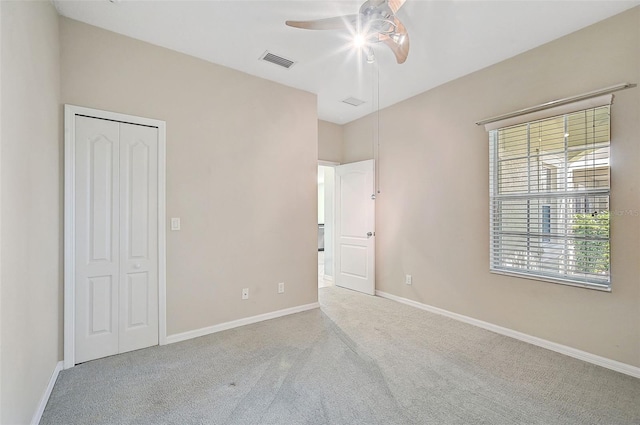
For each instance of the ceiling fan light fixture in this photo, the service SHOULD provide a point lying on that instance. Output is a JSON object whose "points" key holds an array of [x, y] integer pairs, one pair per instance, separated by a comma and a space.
{"points": [[375, 23], [359, 40], [371, 58]]}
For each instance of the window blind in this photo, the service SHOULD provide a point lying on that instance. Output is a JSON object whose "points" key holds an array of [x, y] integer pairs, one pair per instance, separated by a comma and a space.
{"points": [[549, 198]]}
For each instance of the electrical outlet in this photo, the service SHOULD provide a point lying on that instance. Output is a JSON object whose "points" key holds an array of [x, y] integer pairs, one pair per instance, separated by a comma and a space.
{"points": [[281, 288], [407, 279], [245, 293]]}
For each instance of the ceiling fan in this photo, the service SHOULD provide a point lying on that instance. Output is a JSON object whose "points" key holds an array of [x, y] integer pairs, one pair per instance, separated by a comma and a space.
{"points": [[375, 23]]}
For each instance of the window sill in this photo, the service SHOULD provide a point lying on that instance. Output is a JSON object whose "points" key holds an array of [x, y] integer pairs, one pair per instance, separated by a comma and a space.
{"points": [[593, 286]]}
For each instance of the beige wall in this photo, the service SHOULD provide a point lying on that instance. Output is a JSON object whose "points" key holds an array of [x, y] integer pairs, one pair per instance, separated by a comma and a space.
{"points": [[329, 141], [358, 140], [432, 215], [242, 158], [247, 226], [30, 228]]}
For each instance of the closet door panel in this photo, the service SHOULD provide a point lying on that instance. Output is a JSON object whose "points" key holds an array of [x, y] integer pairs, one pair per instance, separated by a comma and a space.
{"points": [[138, 237], [97, 238]]}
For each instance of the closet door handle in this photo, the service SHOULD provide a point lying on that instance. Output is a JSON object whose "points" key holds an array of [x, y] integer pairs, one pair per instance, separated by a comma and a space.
{"points": [[137, 266]]}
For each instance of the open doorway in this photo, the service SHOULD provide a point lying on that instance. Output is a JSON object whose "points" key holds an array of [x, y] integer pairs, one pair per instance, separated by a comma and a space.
{"points": [[326, 182]]}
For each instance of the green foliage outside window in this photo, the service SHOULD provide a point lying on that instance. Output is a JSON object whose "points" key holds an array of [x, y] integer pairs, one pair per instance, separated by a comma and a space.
{"points": [[592, 253]]}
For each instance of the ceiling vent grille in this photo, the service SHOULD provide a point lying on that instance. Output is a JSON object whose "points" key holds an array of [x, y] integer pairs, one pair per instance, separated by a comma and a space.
{"points": [[353, 101], [277, 60]]}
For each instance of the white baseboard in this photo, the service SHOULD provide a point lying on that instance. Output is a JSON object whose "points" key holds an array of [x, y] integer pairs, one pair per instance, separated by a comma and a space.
{"points": [[328, 278], [240, 322], [35, 420], [559, 348]]}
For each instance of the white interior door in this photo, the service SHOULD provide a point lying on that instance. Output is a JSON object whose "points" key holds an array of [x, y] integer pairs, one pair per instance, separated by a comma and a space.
{"points": [[355, 226], [116, 237]]}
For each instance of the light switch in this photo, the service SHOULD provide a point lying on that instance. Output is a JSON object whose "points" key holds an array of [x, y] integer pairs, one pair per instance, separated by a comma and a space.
{"points": [[175, 223]]}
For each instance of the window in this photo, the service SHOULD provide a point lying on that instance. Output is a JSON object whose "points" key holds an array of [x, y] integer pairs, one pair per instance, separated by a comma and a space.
{"points": [[549, 189]]}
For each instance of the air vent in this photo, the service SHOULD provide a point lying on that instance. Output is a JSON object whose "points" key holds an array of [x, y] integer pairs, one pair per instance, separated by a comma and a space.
{"points": [[353, 101], [277, 60]]}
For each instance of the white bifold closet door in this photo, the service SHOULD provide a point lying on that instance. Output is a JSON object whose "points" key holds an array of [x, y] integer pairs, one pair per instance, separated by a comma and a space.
{"points": [[116, 219]]}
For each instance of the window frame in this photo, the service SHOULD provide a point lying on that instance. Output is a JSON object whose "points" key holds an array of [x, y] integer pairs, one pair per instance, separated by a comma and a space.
{"points": [[497, 266]]}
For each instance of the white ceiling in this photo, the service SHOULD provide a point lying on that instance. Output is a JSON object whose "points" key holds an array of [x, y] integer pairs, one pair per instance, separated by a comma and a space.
{"points": [[449, 39]]}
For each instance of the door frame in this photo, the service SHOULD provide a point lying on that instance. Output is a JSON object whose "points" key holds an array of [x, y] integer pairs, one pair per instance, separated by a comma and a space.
{"points": [[331, 164], [70, 112]]}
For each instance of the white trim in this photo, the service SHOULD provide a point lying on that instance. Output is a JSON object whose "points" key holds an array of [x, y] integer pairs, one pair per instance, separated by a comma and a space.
{"points": [[627, 369], [35, 419], [69, 237], [162, 233], [240, 322], [70, 112], [332, 223], [542, 278]]}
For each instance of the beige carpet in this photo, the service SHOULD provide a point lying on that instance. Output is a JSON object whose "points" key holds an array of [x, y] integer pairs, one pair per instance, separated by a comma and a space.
{"points": [[360, 360]]}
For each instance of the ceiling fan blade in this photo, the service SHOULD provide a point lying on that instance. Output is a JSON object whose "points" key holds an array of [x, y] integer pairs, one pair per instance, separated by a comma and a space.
{"points": [[395, 5], [337, 23], [398, 44]]}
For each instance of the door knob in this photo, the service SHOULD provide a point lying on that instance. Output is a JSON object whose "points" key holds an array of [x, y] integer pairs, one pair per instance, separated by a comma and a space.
{"points": [[137, 266], [369, 234]]}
